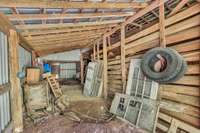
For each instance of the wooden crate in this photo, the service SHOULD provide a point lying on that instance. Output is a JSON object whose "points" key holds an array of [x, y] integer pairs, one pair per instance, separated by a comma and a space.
{"points": [[33, 75]]}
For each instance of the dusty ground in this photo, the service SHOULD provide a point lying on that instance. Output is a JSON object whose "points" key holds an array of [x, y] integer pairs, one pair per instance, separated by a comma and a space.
{"points": [[61, 124], [84, 115]]}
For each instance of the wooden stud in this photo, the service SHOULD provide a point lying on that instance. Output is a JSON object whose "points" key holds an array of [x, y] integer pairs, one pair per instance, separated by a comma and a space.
{"points": [[94, 52], [123, 63], [16, 97], [33, 57], [162, 25], [82, 68], [105, 69], [98, 56]]}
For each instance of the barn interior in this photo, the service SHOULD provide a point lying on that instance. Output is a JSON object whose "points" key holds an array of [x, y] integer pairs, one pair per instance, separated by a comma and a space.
{"points": [[99, 66]]}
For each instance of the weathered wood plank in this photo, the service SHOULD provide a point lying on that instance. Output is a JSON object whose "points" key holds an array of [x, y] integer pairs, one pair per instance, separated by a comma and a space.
{"points": [[16, 98], [189, 80], [180, 89], [180, 108], [65, 4], [105, 68], [190, 100]]}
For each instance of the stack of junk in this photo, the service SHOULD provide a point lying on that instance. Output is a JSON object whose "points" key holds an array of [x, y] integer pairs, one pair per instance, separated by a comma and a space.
{"points": [[42, 94]]}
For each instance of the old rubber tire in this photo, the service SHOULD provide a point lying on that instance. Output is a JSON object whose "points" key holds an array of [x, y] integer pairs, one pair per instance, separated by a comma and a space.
{"points": [[173, 66], [180, 74]]}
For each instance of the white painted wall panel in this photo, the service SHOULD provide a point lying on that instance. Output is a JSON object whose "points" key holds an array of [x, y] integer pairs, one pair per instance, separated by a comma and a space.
{"points": [[65, 56], [68, 70]]}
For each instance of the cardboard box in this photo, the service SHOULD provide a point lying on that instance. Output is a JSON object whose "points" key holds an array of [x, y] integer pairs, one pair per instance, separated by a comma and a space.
{"points": [[32, 75]]}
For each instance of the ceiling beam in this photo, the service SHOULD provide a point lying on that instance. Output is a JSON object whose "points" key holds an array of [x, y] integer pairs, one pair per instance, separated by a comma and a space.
{"points": [[65, 35], [67, 5], [57, 50], [23, 17], [6, 25], [62, 25], [70, 39], [76, 44], [68, 30], [178, 7]]}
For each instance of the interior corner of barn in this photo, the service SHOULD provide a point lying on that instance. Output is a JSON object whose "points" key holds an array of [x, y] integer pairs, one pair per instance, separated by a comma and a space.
{"points": [[99, 66]]}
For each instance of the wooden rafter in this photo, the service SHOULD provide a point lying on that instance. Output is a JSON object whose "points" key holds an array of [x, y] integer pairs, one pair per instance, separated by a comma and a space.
{"points": [[139, 14], [55, 37], [60, 49], [17, 17], [64, 4], [68, 30], [68, 40], [76, 44], [178, 7], [6, 25], [47, 26]]}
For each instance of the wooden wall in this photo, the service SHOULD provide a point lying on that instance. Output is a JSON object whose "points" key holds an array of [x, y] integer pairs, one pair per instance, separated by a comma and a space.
{"points": [[180, 100]]}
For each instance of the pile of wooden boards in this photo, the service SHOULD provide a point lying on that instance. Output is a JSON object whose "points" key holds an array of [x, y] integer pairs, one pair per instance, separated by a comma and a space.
{"points": [[182, 34], [93, 82]]}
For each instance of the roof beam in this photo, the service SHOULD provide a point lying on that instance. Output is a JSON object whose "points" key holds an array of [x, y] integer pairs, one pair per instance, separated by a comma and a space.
{"points": [[64, 44], [68, 30], [22, 17], [69, 39], [6, 25], [62, 25], [57, 50], [64, 4], [139, 14], [64, 35], [178, 7], [76, 44]]}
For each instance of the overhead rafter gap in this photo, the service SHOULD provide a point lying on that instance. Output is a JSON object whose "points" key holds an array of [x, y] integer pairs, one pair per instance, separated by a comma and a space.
{"points": [[178, 7], [21, 22]]}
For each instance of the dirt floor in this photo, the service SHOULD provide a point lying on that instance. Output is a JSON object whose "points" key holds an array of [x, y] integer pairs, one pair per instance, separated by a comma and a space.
{"points": [[84, 115]]}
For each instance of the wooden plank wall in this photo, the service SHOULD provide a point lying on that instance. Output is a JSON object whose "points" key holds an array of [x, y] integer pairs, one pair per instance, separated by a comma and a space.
{"points": [[180, 100]]}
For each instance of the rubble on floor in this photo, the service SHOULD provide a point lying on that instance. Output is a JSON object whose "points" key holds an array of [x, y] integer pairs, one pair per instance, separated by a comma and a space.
{"points": [[61, 124]]}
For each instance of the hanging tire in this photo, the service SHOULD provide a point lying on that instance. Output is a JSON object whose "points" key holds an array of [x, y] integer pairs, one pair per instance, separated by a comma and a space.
{"points": [[176, 75], [180, 74], [172, 68]]}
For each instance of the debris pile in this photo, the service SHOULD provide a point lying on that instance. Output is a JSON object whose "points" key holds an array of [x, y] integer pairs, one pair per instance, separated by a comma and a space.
{"points": [[43, 98]]}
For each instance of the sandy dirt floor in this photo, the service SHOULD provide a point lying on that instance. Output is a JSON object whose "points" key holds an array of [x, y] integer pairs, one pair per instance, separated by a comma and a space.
{"points": [[84, 115]]}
